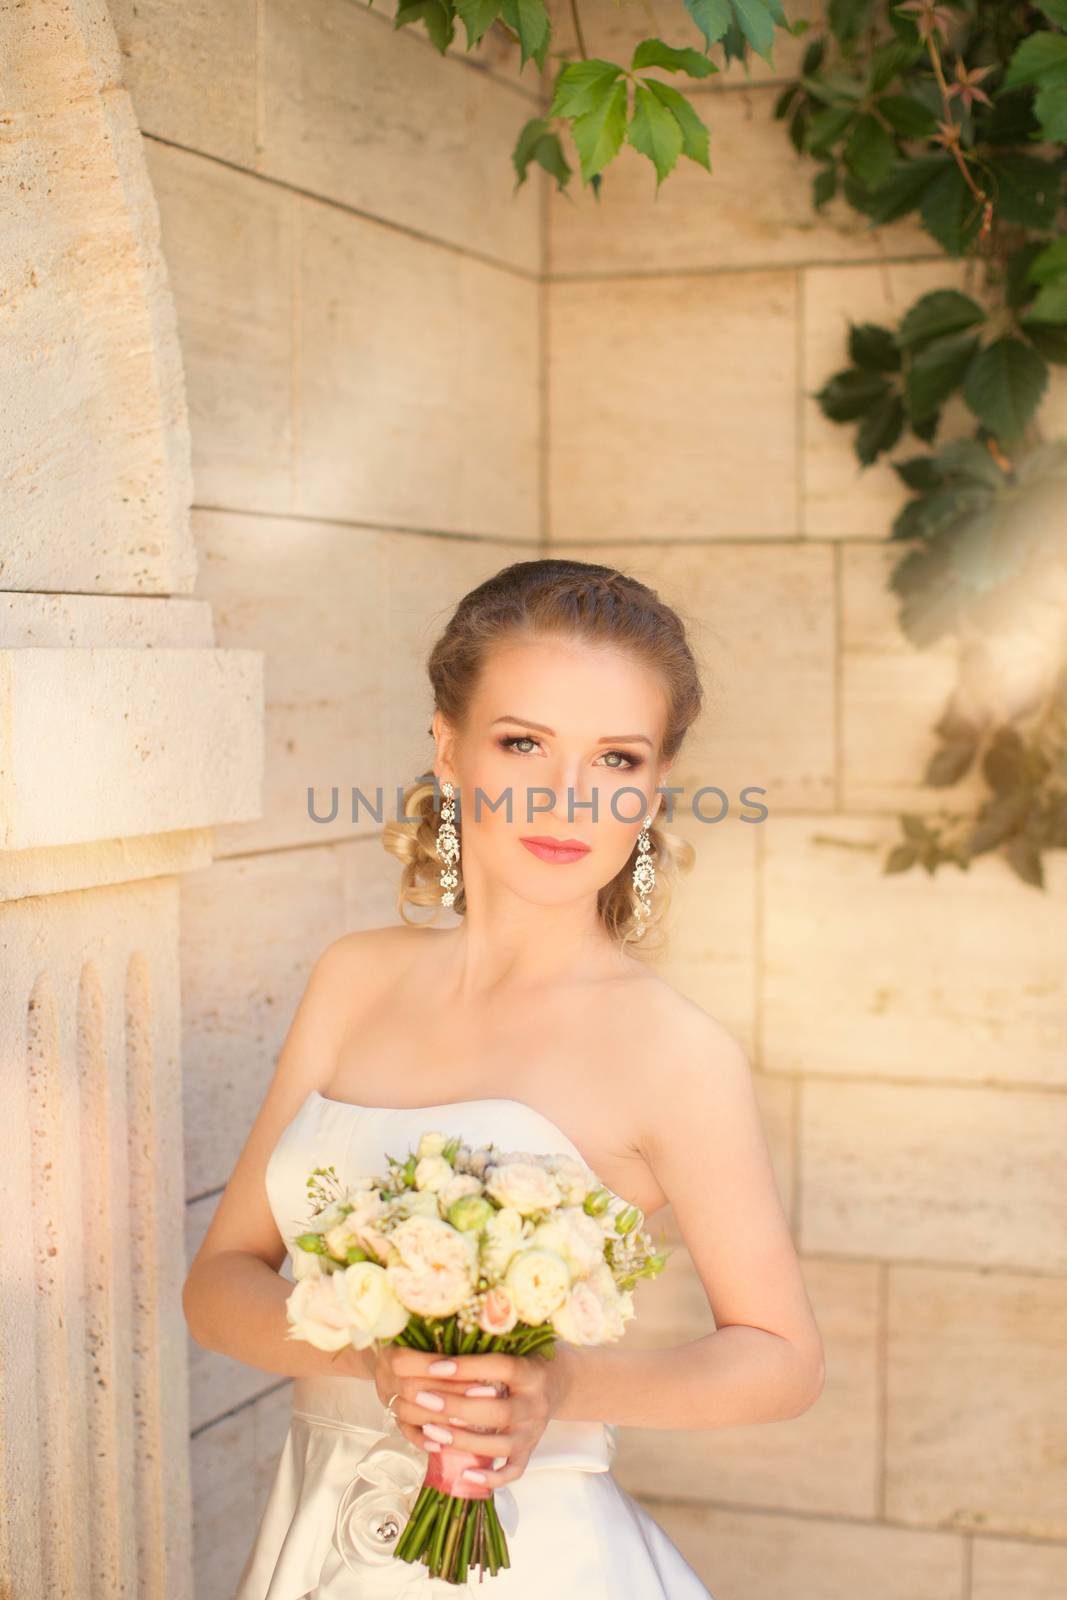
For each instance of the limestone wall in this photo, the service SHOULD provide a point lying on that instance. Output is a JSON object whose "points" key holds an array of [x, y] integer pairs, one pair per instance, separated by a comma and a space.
{"points": [[910, 1033]]}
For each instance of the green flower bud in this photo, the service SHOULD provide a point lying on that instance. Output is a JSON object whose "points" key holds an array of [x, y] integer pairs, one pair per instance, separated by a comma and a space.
{"points": [[469, 1211], [596, 1201], [313, 1242], [627, 1219]]}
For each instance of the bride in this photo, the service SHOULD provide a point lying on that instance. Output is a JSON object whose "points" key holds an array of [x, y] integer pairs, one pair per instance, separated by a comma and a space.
{"points": [[563, 691]]}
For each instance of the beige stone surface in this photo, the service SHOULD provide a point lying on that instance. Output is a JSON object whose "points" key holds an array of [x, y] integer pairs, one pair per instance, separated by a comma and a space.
{"points": [[233, 1463], [230, 243], [672, 408], [760, 622], [841, 498], [754, 1555], [120, 765], [952, 978], [94, 431], [347, 700], [190, 70], [378, 120], [924, 1173], [892, 694], [827, 1460], [976, 1431], [1030, 1571], [252, 929], [217, 1383], [92, 1348], [425, 413], [753, 209]]}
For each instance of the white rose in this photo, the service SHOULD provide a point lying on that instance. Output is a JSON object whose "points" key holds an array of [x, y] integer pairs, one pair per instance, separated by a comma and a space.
{"points": [[458, 1185], [431, 1144], [582, 1318], [316, 1315], [306, 1264], [575, 1179], [366, 1299], [524, 1185], [502, 1237], [537, 1281], [419, 1203], [433, 1273], [433, 1172], [578, 1238]]}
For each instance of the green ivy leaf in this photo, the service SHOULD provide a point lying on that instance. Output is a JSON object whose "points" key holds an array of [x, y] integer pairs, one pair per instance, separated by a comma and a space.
{"points": [[1041, 60], [824, 186], [851, 394], [599, 132], [873, 347], [477, 16], [870, 151], [826, 127], [1049, 340], [694, 132], [905, 187], [654, 53], [1051, 263], [935, 372], [654, 131], [1055, 11], [950, 213], [538, 142], [918, 472], [581, 86], [848, 18], [1004, 386], [907, 117], [1050, 305], [529, 20], [440, 24], [1028, 190], [935, 314], [754, 19], [1050, 108], [880, 429]]}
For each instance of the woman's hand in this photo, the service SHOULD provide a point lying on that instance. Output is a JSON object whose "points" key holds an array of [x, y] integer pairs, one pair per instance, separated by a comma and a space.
{"points": [[493, 1404]]}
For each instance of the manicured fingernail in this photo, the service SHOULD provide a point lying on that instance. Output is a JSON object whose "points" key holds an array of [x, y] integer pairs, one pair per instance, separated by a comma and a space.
{"points": [[481, 1388], [428, 1444], [433, 1402], [442, 1368], [433, 1431], [473, 1475]]}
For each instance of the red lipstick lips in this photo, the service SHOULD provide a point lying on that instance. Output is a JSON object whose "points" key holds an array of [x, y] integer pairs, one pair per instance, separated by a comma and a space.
{"points": [[548, 849]]}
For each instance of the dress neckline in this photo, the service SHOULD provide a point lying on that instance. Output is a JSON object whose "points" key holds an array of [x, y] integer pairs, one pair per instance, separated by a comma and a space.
{"points": [[483, 1100]]}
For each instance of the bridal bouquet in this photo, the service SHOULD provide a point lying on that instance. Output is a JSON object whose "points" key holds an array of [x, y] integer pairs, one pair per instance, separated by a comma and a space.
{"points": [[464, 1251]]}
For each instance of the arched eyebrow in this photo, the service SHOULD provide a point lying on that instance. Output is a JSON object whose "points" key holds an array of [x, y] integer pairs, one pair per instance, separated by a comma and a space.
{"points": [[613, 738]]}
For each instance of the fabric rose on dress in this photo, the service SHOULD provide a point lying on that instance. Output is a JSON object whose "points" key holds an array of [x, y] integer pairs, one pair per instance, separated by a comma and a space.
{"points": [[374, 1508]]}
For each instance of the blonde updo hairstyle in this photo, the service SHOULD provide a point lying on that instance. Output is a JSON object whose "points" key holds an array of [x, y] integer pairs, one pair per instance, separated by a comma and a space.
{"points": [[573, 600]]}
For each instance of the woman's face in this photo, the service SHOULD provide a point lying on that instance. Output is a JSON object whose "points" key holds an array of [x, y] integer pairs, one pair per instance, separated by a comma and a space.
{"points": [[556, 725]]}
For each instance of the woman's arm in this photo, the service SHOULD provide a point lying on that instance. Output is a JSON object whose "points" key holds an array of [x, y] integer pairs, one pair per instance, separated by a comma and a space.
{"points": [[764, 1361], [234, 1296]]}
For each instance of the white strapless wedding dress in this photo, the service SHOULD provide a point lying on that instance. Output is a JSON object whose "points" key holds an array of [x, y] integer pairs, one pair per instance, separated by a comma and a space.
{"points": [[572, 1531]]}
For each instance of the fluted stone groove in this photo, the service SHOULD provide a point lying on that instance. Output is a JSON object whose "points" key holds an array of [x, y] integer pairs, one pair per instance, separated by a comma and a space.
{"points": [[143, 1244], [56, 1380]]}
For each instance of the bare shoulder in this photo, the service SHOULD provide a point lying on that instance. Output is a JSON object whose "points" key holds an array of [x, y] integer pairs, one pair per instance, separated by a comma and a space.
{"points": [[674, 1026], [686, 1062]]}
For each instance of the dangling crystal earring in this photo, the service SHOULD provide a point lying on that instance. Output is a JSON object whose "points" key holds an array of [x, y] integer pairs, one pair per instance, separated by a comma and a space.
{"points": [[447, 844], [644, 876]]}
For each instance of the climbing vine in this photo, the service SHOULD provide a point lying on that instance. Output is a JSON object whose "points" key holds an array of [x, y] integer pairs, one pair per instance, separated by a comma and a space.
{"points": [[954, 111]]}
